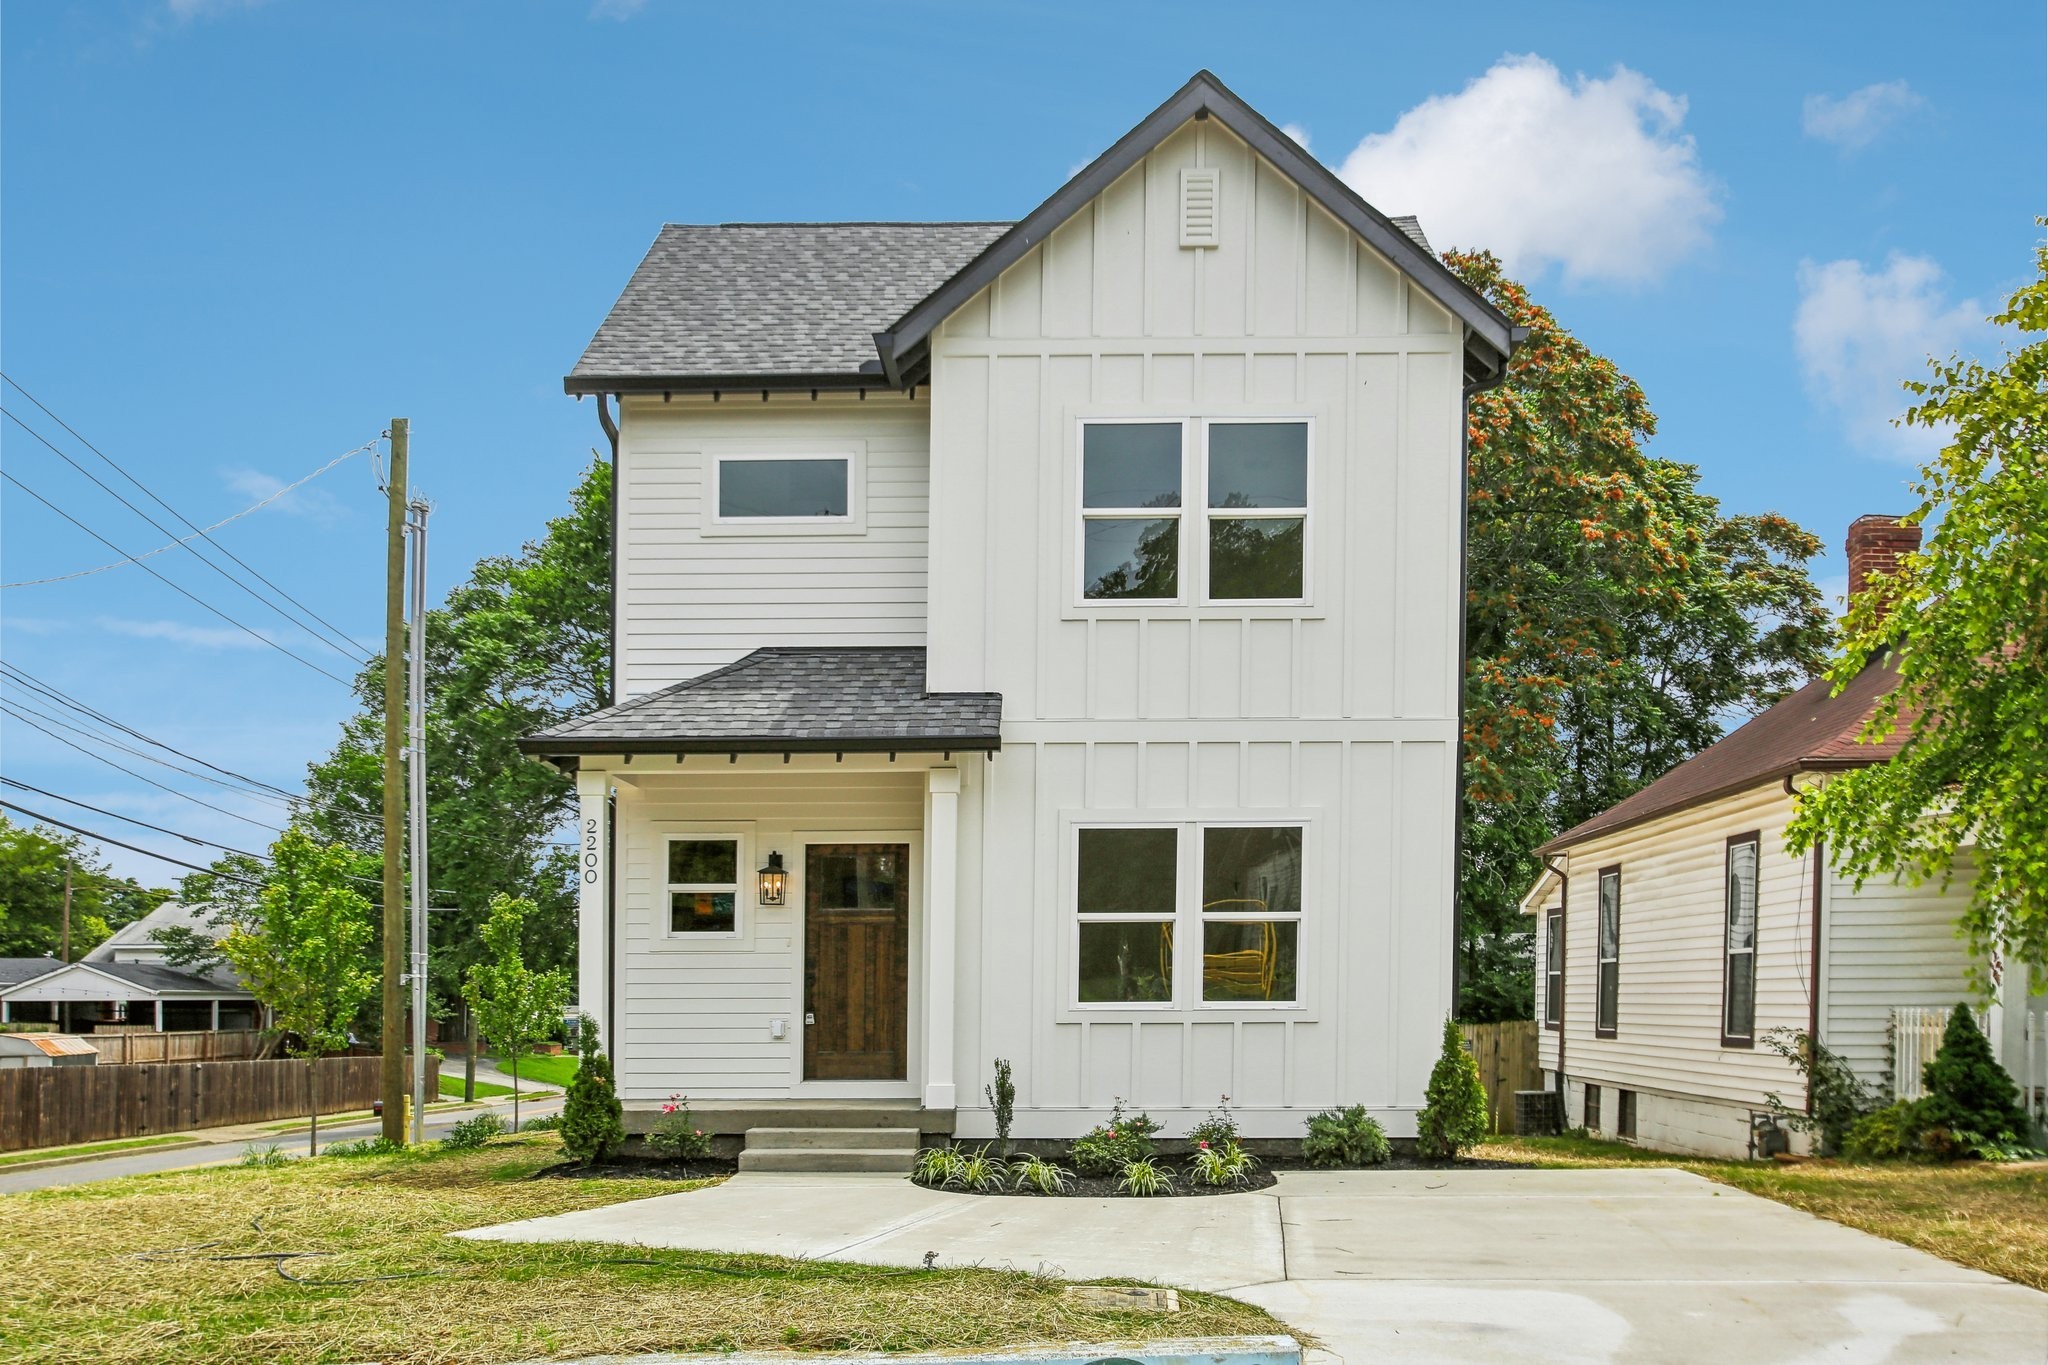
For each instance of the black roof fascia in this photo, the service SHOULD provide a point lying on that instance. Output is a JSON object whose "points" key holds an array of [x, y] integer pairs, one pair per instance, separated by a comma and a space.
{"points": [[580, 385], [904, 345], [542, 747]]}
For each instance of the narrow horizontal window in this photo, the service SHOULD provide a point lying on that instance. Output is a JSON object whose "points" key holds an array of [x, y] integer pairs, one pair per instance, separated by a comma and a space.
{"points": [[785, 488], [703, 885]]}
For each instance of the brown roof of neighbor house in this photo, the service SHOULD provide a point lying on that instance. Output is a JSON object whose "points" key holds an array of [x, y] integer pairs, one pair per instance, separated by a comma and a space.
{"points": [[1811, 729]]}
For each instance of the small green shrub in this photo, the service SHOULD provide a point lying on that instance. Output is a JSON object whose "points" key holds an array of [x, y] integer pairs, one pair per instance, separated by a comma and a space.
{"points": [[1453, 1113], [1219, 1129], [370, 1146], [1144, 1178], [1002, 1099], [267, 1158], [548, 1123], [938, 1166], [1217, 1167], [1107, 1148], [1044, 1177], [979, 1171], [1840, 1100], [593, 1122], [473, 1133], [1968, 1093], [1888, 1134], [675, 1135], [1345, 1137]]}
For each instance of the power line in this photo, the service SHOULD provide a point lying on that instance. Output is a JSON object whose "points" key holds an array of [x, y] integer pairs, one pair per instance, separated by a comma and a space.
{"points": [[247, 630], [116, 815], [196, 530], [264, 791], [101, 838], [348, 649], [119, 747], [7, 709]]}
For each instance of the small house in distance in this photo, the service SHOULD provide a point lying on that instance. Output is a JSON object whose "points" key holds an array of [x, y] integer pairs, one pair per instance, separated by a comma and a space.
{"points": [[1675, 932], [127, 982]]}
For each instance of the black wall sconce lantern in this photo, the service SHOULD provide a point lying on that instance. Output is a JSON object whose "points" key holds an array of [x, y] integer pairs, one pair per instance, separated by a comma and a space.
{"points": [[774, 881]]}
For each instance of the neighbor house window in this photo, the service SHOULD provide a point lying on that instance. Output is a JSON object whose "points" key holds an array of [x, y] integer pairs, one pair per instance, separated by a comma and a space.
{"points": [[1251, 912], [1609, 978], [1738, 991], [1257, 481], [1625, 1114], [1593, 1109], [703, 885], [784, 487], [1133, 906], [1553, 968], [1249, 543], [1130, 510], [1125, 898]]}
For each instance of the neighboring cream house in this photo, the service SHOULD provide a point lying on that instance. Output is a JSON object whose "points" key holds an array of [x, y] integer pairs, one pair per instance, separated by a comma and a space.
{"points": [[1674, 931], [1035, 640]]}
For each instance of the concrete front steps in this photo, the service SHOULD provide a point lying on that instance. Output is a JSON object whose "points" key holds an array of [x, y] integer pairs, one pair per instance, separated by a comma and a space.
{"points": [[881, 1151]]}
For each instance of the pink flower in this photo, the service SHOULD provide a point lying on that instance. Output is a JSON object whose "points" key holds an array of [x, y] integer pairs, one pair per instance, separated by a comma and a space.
{"points": [[1204, 1146], [699, 1132]]}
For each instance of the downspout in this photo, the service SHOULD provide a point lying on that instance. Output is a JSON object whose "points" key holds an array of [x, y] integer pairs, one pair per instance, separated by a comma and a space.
{"points": [[1814, 948]]}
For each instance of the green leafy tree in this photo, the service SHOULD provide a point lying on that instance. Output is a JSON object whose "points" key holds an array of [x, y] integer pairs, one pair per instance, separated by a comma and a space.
{"points": [[515, 1006], [1453, 1114], [593, 1124], [306, 954], [1965, 622], [1967, 1092], [32, 863], [1614, 618]]}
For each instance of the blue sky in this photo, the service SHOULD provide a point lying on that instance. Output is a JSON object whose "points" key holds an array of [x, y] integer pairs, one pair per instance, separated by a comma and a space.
{"points": [[240, 235]]}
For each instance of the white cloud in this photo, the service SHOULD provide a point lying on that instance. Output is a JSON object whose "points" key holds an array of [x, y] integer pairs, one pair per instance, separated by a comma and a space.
{"points": [[620, 10], [1859, 117], [177, 632], [1297, 132], [255, 485], [1861, 333], [186, 11], [1593, 176]]}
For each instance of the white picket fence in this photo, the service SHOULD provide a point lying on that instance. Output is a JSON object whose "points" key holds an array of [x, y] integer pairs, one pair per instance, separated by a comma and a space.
{"points": [[1916, 1037], [2033, 1074]]}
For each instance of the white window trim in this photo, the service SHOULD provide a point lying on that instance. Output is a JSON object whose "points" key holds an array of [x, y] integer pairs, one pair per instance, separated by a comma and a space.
{"points": [[716, 454], [1194, 516], [1187, 919], [743, 889]]}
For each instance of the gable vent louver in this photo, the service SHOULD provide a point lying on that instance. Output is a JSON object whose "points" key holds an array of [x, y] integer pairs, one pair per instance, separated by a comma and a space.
{"points": [[1199, 193]]}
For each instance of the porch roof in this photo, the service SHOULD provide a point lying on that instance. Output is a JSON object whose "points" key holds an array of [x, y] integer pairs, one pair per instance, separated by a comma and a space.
{"points": [[789, 700]]}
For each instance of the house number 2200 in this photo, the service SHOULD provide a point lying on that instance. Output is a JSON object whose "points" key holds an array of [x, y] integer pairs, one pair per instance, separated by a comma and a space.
{"points": [[590, 851]]}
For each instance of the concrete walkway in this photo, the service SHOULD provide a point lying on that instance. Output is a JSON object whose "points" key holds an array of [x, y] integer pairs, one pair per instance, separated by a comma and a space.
{"points": [[1631, 1265]]}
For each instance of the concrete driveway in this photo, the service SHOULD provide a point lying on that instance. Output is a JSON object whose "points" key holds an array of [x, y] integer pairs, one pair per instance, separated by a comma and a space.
{"points": [[1529, 1266]]}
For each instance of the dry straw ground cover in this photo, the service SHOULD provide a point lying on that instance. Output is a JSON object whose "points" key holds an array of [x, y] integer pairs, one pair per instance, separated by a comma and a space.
{"points": [[1989, 1217], [125, 1271]]}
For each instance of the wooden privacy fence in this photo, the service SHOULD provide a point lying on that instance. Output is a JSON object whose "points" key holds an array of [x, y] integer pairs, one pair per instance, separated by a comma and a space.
{"points": [[59, 1106], [131, 1046], [1506, 1053]]}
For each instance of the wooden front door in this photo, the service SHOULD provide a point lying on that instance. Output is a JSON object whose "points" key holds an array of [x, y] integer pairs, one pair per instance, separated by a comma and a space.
{"points": [[856, 962]]}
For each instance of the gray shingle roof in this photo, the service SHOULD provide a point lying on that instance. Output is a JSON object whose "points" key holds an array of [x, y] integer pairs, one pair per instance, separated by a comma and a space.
{"points": [[155, 979], [15, 970], [790, 699], [739, 299]]}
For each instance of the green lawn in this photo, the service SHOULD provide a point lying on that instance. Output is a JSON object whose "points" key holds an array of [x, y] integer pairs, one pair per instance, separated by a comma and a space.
{"points": [[1991, 1217], [555, 1071], [451, 1088], [90, 1148], [192, 1266]]}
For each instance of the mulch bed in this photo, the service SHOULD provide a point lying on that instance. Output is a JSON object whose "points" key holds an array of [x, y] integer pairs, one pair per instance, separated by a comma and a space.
{"points": [[638, 1168], [1263, 1177]]}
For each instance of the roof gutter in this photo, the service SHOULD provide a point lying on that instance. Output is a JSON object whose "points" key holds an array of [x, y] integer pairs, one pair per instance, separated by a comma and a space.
{"points": [[1573, 838], [541, 746]]}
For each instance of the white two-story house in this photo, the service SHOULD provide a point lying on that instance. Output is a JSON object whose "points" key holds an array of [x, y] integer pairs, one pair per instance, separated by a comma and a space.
{"points": [[1035, 640]]}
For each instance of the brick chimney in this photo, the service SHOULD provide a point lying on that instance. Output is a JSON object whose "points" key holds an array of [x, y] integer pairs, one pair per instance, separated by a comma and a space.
{"points": [[1875, 544]]}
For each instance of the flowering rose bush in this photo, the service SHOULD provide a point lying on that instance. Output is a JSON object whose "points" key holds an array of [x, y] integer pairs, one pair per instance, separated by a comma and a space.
{"points": [[675, 1134], [1107, 1148]]}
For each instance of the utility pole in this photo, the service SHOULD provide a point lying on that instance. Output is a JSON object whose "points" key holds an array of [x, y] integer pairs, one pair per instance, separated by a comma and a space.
{"points": [[64, 945], [416, 770], [392, 1073]]}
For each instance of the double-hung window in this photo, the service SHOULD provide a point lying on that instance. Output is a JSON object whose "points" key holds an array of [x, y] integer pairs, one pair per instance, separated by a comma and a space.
{"points": [[1246, 544], [1225, 900], [703, 884], [1738, 987], [1553, 968], [1608, 1007]]}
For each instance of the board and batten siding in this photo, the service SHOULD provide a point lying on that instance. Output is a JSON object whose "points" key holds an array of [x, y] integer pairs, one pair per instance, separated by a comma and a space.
{"points": [[689, 601], [698, 1013], [1673, 909], [1341, 713]]}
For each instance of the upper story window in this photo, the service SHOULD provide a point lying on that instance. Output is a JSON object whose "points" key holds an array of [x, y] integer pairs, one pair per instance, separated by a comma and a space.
{"points": [[783, 488], [1738, 982], [1608, 1007], [1553, 968], [1250, 481]]}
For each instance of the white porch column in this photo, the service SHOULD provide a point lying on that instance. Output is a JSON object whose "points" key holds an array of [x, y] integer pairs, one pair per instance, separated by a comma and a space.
{"points": [[216, 1015], [593, 825], [158, 1009], [941, 913]]}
